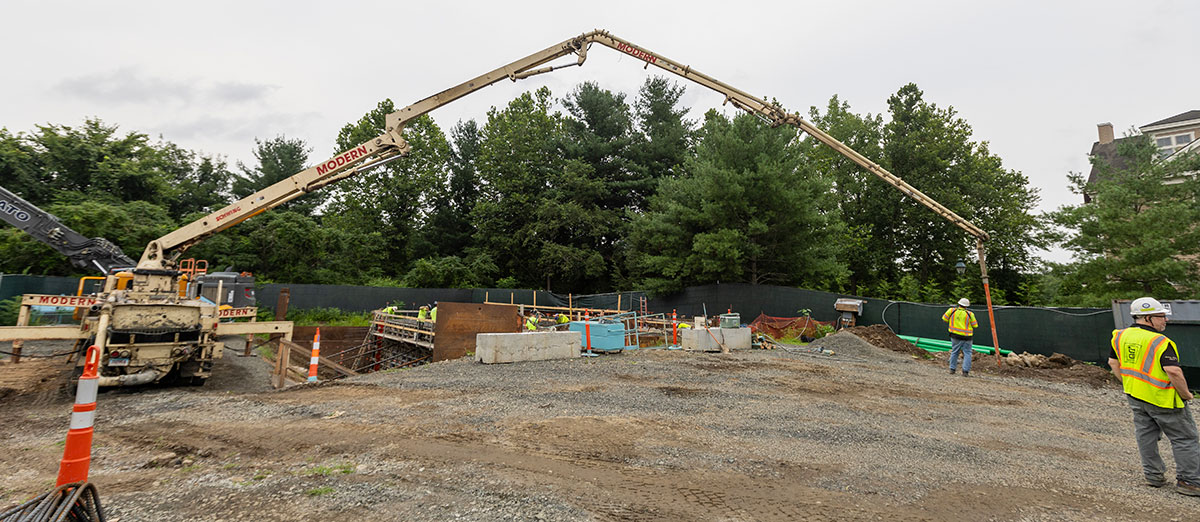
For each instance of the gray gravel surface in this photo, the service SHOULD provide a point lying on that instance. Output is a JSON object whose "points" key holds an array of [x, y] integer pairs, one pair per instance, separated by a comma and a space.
{"points": [[867, 434]]}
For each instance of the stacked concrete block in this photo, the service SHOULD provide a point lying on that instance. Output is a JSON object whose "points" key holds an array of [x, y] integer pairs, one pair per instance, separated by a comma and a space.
{"points": [[533, 346]]}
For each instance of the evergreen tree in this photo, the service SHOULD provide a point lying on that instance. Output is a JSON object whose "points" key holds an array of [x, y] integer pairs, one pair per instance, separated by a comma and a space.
{"points": [[744, 212], [449, 229], [668, 135], [278, 159]]}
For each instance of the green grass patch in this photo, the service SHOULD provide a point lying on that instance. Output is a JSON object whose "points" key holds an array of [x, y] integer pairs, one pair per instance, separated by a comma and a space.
{"points": [[325, 471], [319, 317], [265, 352], [316, 492]]}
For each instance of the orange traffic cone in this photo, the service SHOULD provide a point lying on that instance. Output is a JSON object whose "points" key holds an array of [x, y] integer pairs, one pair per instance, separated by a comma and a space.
{"points": [[674, 328], [316, 356], [77, 454]]}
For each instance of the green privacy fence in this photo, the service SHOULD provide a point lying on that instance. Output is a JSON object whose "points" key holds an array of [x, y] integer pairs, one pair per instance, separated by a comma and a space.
{"points": [[18, 284]]}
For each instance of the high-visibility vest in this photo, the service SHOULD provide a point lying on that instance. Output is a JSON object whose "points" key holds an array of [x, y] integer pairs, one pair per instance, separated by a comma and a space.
{"points": [[1142, 375], [563, 319], [433, 314], [531, 323], [423, 314], [962, 321]]}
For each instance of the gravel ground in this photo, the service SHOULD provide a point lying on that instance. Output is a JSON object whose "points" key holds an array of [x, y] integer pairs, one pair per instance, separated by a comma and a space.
{"points": [[866, 434]]}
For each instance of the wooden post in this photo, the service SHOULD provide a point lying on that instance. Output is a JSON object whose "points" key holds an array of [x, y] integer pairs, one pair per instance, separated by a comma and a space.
{"points": [[281, 353], [535, 300], [618, 301], [485, 296], [570, 307], [250, 338], [22, 320], [282, 363], [511, 298]]}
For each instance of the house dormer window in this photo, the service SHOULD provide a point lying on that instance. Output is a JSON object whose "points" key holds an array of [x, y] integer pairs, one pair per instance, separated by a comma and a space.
{"points": [[1168, 144]]}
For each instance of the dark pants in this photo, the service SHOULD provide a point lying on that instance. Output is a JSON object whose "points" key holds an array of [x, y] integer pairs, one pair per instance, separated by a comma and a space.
{"points": [[1150, 423]]}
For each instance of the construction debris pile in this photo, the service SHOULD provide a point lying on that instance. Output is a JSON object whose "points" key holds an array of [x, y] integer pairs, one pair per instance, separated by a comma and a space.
{"points": [[788, 327], [1030, 360]]}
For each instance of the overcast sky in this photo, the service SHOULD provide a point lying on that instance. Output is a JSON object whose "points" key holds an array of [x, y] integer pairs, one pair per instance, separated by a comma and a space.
{"points": [[1033, 78]]}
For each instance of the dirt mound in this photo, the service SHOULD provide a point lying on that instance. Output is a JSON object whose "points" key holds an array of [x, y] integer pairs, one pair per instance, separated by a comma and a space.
{"points": [[1055, 368], [42, 379], [881, 336]]}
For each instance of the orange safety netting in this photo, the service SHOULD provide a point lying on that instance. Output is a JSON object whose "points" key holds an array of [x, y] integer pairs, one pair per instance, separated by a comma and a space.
{"points": [[785, 327]]}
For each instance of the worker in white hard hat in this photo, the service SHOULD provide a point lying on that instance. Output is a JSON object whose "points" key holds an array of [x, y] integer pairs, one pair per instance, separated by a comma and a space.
{"points": [[1147, 362], [962, 330]]}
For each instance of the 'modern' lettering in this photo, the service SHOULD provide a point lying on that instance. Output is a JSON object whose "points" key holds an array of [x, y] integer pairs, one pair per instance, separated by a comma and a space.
{"points": [[342, 159], [637, 53]]}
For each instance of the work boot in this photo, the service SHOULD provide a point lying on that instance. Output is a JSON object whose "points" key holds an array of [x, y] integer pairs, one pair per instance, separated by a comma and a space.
{"points": [[1184, 487], [1156, 482], [966, 373], [952, 370]]}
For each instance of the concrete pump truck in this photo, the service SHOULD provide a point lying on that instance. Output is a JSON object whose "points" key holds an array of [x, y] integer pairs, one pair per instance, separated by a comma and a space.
{"points": [[152, 332]]}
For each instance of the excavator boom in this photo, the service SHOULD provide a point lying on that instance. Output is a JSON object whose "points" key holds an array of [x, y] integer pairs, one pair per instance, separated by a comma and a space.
{"points": [[87, 253]]}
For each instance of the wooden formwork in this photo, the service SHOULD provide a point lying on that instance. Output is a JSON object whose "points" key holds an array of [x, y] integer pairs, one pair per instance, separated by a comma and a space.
{"points": [[394, 341], [459, 323]]}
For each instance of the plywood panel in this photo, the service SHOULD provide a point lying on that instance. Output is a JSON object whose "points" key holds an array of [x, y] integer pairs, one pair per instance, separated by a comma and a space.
{"points": [[459, 323]]}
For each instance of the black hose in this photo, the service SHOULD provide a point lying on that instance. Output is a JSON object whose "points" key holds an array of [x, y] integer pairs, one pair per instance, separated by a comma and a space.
{"points": [[78, 502], [34, 356]]}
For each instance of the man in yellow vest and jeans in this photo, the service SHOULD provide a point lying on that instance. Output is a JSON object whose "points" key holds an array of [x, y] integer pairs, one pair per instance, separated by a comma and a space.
{"points": [[962, 329], [1148, 364]]}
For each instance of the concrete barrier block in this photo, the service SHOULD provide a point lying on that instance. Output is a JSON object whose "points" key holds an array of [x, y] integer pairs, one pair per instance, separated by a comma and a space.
{"points": [[711, 339], [533, 346]]}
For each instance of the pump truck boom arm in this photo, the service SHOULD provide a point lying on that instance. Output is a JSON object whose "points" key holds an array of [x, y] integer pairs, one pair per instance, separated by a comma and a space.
{"points": [[93, 254], [391, 145]]}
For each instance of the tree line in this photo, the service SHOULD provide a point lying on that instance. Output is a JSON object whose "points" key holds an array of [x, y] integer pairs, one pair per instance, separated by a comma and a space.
{"points": [[593, 192]]}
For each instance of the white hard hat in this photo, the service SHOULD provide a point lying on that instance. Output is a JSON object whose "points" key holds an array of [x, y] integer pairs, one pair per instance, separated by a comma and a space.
{"points": [[964, 302], [1147, 306]]}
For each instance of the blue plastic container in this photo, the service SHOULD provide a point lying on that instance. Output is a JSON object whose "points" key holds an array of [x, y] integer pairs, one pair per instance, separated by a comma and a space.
{"points": [[606, 337]]}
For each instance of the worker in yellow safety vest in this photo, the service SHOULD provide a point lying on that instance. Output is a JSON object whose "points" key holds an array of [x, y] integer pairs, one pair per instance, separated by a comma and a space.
{"points": [[531, 322], [562, 318], [1147, 362], [962, 329], [433, 312], [423, 313]]}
